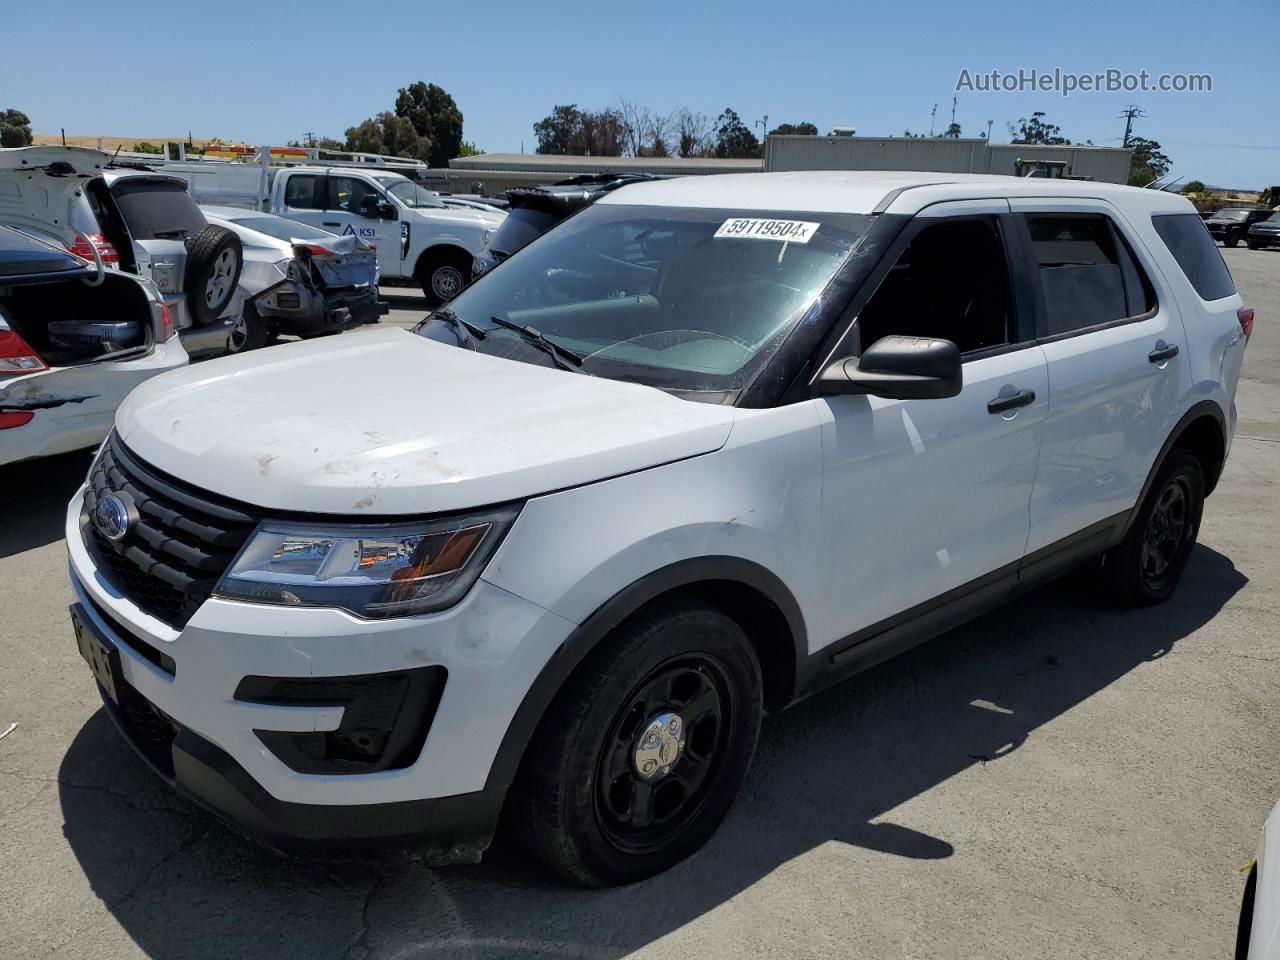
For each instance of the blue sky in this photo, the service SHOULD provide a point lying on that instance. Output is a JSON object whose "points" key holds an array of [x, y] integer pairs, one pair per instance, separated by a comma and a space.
{"points": [[268, 72]]}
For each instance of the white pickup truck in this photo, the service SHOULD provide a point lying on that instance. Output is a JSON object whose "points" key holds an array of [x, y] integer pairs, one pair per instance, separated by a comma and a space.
{"points": [[417, 237]]}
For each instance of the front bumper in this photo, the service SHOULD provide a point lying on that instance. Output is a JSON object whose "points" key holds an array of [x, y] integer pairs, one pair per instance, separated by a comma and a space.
{"points": [[1264, 239], [492, 645]]}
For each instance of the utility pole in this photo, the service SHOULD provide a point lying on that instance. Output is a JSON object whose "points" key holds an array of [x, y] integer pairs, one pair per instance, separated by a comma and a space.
{"points": [[309, 139], [953, 113], [764, 125], [989, 123], [1127, 115], [932, 113]]}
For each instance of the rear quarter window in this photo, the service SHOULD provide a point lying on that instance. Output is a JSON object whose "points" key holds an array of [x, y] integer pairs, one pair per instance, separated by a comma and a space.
{"points": [[1197, 254]]}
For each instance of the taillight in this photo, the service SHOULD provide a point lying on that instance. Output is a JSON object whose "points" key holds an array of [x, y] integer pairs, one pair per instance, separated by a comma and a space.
{"points": [[1245, 316], [106, 251], [10, 420], [314, 249], [166, 320], [16, 355]]}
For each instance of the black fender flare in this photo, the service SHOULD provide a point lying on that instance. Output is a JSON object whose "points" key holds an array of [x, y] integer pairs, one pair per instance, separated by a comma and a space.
{"points": [[1198, 410], [586, 636]]}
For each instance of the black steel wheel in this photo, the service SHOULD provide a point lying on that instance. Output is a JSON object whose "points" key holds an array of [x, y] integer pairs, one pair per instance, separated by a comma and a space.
{"points": [[1148, 563], [662, 751], [640, 757]]}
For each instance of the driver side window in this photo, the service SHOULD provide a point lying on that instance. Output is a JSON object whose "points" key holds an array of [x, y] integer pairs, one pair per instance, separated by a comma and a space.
{"points": [[353, 195], [951, 282]]}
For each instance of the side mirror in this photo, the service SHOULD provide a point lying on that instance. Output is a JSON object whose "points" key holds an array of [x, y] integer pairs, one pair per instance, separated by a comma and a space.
{"points": [[900, 368], [386, 210]]}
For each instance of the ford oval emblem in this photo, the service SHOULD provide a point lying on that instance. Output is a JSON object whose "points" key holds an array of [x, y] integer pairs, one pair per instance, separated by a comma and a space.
{"points": [[112, 517]]}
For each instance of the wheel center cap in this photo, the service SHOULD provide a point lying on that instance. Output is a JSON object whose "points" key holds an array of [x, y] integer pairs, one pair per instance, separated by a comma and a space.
{"points": [[659, 746]]}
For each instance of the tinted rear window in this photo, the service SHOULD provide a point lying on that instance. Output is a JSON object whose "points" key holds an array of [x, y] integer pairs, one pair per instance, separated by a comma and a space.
{"points": [[155, 209], [521, 226], [1197, 254]]}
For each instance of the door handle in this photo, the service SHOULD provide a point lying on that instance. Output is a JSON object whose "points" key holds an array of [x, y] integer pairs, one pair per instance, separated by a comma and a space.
{"points": [[1161, 354], [330, 223], [1020, 399]]}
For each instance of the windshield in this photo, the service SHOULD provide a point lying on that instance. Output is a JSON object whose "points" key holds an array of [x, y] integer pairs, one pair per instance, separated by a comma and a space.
{"points": [[283, 229], [157, 209], [409, 193], [678, 297], [1230, 214], [1274, 218]]}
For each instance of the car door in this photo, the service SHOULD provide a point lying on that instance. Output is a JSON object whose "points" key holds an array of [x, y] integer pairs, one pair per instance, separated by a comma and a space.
{"points": [[1113, 339], [352, 204], [929, 498], [300, 196]]}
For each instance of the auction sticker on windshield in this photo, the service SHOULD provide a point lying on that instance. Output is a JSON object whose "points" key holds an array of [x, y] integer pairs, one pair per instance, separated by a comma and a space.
{"points": [[759, 228]]}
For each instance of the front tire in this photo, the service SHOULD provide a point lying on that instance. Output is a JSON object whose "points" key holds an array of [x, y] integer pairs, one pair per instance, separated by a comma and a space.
{"points": [[1148, 563], [251, 332], [1253, 245], [1233, 240], [443, 275], [642, 755]]}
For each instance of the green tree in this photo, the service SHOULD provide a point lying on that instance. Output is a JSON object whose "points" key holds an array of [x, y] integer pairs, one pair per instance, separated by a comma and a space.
{"points": [[1193, 186], [390, 134], [733, 138], [15, 129], [568, 131], [794, 129], [144, 147], [952, 131], [1036, 130], [436, 118], [1148, 162], [468, 149]]}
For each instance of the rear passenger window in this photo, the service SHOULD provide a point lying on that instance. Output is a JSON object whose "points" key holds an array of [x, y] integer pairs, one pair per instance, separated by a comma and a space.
{"points": [[1088, 275], [300, 192], [1197, 254]]}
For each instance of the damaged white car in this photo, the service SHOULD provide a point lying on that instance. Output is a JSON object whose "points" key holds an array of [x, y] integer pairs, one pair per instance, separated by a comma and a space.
{"points": [[75, 338], [298, 280]]}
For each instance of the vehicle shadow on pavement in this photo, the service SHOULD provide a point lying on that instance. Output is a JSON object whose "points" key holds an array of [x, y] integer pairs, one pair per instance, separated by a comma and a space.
{"points": [[38, 491], [183, 885]]}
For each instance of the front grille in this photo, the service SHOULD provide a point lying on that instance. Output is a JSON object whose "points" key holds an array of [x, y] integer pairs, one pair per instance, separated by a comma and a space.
{"points": [[182, 542]]}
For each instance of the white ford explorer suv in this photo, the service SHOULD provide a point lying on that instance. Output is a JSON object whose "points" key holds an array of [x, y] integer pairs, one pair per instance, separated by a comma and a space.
{"points": [[701, 450]]}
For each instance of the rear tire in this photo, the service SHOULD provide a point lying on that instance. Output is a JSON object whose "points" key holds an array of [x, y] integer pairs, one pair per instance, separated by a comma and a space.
{"points": [[443, 275], [1233, 240], [214, 258], [582, 804], [1148, 563]]}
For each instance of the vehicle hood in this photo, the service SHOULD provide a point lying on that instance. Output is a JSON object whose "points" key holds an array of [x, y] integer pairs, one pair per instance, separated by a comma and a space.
{"points": [[389, 423], [39, 185], [462, 216], [1266, 226]]}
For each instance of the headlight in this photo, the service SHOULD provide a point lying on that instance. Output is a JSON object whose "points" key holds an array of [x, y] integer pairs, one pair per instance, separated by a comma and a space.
{"points": [[374, 571]]}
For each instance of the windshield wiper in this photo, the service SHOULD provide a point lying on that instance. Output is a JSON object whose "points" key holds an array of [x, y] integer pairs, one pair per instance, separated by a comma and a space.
{"points": [[455, 321], [544, 343]]}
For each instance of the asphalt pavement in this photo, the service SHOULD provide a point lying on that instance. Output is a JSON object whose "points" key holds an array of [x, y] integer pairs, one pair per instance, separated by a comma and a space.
{"points": [[1057, 779]]}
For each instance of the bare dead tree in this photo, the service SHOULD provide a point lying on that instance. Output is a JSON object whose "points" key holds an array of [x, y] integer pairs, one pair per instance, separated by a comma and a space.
{"points": [[690, 132]]}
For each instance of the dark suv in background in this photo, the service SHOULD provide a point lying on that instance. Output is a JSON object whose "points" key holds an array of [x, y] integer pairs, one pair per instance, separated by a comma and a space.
{"points": [[533, 211], [1264, 232], [1231, 225]]}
